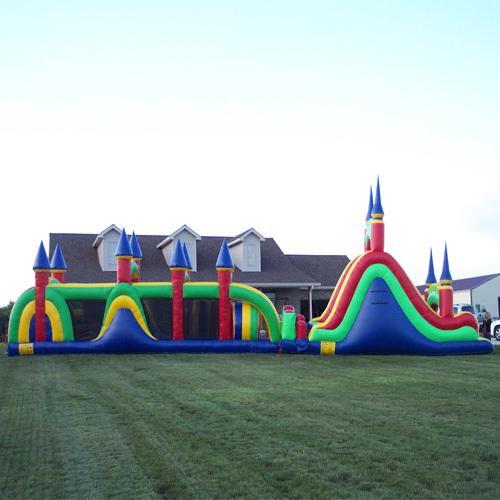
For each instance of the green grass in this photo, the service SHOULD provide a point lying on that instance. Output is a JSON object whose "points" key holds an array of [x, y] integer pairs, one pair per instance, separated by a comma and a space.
{"points": [[249, 426]]}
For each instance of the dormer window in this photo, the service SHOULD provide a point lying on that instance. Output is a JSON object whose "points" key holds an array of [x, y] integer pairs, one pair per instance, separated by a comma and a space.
{"points": [[245, 251], [110, 252], [106, 243], [186, 236], [251, 255]]}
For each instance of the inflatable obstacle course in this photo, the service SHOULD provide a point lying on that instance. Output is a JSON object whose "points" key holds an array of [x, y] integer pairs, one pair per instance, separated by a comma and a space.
{"points": [[375, 309]]}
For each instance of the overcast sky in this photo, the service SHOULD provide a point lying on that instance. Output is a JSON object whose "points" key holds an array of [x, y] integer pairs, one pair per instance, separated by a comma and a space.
{"points": [[276, 115]]}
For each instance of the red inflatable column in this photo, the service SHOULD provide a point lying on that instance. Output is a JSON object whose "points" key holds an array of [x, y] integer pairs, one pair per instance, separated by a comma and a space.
{"points": [[377, 224], [446, 301], [225, 269], [225, 318], [301, 327], [446, 289], [178, 269], [123, 256], [123, 269], [42, 271], [41, 281], [58, 275], [178, 303]]}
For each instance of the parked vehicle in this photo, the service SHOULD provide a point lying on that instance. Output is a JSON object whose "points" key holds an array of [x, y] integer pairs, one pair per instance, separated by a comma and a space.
{"points": [[479, 315], [495, 329], [480, 312], [460, 308]]}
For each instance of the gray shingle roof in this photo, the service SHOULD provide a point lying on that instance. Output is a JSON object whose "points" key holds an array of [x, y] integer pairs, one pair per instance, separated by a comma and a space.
{"points": [[276, 267], [325, 269]]}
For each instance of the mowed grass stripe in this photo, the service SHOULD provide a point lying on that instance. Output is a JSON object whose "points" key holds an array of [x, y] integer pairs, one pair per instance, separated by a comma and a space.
{"points": [[249, 426]]}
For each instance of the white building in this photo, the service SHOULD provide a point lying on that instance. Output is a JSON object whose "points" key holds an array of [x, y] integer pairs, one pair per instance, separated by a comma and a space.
{"points": [[482, 292]]}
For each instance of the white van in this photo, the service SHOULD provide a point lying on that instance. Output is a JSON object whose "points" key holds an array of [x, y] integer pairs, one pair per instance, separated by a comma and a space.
{"points": [[460, 308]]}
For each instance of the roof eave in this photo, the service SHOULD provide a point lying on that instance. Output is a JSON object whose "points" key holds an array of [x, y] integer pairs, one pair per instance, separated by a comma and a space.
{"points": [[101, 235], [164, 243], [280, 285], [241, 237]]}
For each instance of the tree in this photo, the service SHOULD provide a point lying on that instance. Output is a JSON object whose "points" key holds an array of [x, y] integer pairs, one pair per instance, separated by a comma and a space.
{"points": [[4, 319]]}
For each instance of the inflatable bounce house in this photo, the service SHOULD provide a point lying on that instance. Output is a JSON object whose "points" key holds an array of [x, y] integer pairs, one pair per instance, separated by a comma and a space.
{"points": [[375, 309]]}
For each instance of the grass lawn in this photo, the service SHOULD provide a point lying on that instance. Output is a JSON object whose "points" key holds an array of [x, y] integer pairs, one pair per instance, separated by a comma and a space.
{"points": [[249, 426]]}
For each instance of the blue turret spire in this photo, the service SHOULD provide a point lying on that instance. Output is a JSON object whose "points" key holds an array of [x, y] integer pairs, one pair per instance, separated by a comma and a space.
{"points": [[123, 248], [178, 260], [431, 277], [370, 206], [57, 263], [134, 245], [224, 261], [41, 260], [446, 275], [377, 210], [186, 255]]}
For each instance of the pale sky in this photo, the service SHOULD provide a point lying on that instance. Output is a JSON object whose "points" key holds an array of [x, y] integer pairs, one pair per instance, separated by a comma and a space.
{"points": [[276, 115]]}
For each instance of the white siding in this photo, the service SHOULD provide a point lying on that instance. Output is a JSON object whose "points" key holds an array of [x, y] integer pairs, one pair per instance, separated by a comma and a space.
{"points": [[106, 250], [462, 297], [488, 294], [167, 252], [236, 252]]}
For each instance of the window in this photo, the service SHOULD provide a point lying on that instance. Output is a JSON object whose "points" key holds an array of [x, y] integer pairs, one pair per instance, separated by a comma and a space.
{"points": [[251, 255], [271, 296], [111, 261]]}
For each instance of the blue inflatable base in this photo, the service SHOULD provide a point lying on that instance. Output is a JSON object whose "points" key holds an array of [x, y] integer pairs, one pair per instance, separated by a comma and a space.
{"points": [[377, 330], [125, 336]]}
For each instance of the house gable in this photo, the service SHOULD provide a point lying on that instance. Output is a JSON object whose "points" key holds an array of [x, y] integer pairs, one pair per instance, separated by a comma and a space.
{"points": [[246, 251], [186, 236], [106, 243]]}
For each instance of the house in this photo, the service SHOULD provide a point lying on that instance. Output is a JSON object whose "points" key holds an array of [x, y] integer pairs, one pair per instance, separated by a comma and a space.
{"points": [[303, 281]]}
